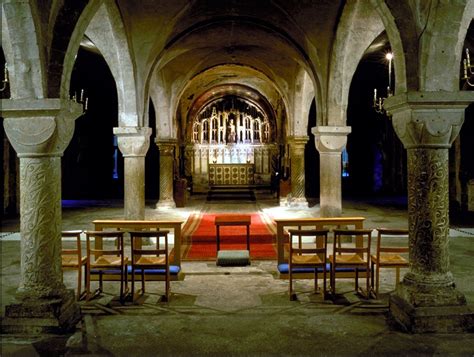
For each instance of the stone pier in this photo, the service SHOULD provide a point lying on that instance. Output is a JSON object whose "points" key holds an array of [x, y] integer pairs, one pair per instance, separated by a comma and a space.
{"points": [[297, 171], [330, 141], [427, 299], [40, 130], [134, 143], [167, 155]]}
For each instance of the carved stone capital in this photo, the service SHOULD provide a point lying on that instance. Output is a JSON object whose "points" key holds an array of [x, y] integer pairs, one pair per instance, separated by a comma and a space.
{"points": [[39, 127], [166, 147], [330, 139], [133, 141], [297, 141], [428, 119]]}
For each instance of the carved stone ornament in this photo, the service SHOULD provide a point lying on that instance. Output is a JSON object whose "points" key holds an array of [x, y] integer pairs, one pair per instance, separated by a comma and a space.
{"points": [[428, 119], [166, 147], [39, 127], [330, 139], [133, 141]]}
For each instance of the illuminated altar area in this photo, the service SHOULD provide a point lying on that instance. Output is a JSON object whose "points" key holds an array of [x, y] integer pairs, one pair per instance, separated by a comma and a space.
{"points": [[231, 144]]}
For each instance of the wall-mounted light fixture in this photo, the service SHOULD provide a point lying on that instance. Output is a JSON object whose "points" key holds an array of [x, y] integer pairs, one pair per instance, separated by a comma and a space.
{"points": [[468, 72], [5, 78], [378, 101], [81, 99]]}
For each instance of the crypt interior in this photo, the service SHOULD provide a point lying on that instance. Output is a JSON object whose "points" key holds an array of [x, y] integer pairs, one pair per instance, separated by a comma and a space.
{"points": [[159, 110]]}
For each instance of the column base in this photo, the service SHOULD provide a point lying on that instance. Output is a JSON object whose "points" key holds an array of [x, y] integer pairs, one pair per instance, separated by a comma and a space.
{"points": [[165, 204], [291, 202], [37, 316], [443, 310]]}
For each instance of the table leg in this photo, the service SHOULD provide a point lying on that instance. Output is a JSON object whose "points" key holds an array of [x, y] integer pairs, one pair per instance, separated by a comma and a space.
{"points": [[248, 238]]}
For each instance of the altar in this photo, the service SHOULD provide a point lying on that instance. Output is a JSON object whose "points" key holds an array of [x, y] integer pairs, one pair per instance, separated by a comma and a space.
{"points": [[230, 145], [231, 174]]}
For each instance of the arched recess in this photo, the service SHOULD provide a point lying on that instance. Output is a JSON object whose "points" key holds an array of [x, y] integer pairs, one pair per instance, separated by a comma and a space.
{"points": [[106, 31], [359, 25], [225, 75], [24, 50]]}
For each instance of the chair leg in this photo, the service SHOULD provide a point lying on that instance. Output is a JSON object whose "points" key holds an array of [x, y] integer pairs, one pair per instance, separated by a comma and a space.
{"points": [[101, 286], [367, 280], [377, 280], [292, 296], [333, 279], [316, 280], [133, 283], [357, 279], [372, 274], [143, 280], [88, 284], [122, 277], [79, 282], [167, 284], [324, 282]]}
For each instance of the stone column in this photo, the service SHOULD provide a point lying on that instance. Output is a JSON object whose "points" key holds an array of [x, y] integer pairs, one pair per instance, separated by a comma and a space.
{"points": [[330, 141], [427, 300], [40, 130], [297, 144], [134, 143], [167, 151]]}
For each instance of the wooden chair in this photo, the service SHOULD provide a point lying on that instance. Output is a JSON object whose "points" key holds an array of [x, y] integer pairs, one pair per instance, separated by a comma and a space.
{"points": [[150, 260], [389, 256], [311, 255], [355, 255], [72, 258], [106, 258]]}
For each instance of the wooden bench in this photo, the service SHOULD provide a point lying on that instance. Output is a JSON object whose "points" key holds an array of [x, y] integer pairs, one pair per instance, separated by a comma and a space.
{"points": [[136, 225], [313, 223]]}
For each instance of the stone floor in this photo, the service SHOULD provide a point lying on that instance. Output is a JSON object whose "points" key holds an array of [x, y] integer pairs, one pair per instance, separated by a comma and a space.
{"points": [[217, 311]]}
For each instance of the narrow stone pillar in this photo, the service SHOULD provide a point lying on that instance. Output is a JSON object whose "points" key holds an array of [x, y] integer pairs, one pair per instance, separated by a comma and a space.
{"points": [[40, 130], [134, 143], [167, 152], [427, 300], [330, 141], [297, 171]]}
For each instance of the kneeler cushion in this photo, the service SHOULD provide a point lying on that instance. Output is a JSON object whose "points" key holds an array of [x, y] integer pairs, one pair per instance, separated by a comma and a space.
{"points": [[233, 257]]}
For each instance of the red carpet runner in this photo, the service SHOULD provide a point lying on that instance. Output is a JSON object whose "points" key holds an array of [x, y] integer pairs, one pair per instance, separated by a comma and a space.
{"points": [[199, 238]]}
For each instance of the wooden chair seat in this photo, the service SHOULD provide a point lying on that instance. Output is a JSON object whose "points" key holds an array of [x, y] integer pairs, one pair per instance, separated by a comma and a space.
{"points": [[348, 259], [109, 262], [70, 261], [307, 259], [146, 260], [390, 259]]}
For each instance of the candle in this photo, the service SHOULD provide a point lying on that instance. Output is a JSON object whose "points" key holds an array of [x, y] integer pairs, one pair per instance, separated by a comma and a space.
{"points": [[82, 95], [5, 73], [86, 103], [465, 68], [375, 95], [468, 59]]}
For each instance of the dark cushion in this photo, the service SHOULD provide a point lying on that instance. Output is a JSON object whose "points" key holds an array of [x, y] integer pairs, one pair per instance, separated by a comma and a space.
{"points": [[233, 258], [174, 269], [283, 269]]}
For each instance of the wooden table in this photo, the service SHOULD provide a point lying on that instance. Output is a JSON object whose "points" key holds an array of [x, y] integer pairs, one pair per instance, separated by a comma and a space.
{"points": [[232, 220]]}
